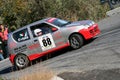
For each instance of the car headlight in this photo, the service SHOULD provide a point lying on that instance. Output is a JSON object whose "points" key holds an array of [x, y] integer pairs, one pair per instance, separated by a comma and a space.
{"points": [[90, 24], [84, 26]]}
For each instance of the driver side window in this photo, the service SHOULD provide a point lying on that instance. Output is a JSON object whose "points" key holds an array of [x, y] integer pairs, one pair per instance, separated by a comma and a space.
{"points": [[45, 28]]}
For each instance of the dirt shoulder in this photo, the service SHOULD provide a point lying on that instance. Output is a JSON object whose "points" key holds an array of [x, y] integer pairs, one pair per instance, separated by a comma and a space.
{"points": [[110, 74]]}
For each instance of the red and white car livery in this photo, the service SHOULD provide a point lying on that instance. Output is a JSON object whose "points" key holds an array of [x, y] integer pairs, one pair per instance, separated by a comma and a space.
{"points": [[24, 46]]}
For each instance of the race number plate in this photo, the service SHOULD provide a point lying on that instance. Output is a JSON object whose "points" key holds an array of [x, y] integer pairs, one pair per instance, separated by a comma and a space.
{"points": [[46, 42]]}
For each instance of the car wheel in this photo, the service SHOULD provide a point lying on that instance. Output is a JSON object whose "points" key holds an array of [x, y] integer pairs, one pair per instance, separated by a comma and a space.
{"points": [[21, 61], [76, 41]]}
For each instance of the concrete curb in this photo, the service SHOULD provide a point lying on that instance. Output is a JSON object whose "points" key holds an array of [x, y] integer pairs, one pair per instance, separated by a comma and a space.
{"points": [[109, 23], [113, 12], [4, 60]]}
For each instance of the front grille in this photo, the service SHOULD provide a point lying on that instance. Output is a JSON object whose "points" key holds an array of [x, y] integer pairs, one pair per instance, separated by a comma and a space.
{"points": [[93, 30]]}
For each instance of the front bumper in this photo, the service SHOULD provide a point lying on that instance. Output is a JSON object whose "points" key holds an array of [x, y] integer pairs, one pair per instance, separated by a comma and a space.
{"points": [[90, 32]]}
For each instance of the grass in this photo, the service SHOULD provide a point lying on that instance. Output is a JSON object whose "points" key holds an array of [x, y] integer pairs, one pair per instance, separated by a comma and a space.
{"points": [[1, 78], [39, 74]]}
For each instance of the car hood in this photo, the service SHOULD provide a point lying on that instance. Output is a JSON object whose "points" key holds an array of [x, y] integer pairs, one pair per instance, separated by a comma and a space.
{"points": [[79, 23]]}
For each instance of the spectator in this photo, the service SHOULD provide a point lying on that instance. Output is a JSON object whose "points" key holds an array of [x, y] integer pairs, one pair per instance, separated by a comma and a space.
{"points": [[1, 51], [4, 38]]}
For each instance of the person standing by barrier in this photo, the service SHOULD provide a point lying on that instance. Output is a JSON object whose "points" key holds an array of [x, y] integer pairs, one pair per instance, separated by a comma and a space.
{"points": [[1, 51], [4, 38]]}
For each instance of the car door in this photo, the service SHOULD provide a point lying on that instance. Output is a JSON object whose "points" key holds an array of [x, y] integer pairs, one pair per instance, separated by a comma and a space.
{"points": [[56, 34], [50, 39]]}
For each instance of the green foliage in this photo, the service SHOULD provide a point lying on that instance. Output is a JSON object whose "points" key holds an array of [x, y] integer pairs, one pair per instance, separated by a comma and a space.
{"points": [[12, 11], [1, 78], [21, 12]]}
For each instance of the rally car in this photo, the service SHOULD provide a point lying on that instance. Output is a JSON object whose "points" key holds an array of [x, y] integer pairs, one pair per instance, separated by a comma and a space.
{"points": [[24, 46]]}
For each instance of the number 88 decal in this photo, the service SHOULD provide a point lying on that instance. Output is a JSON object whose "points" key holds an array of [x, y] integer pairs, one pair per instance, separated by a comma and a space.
{"points": [[46, 42]]}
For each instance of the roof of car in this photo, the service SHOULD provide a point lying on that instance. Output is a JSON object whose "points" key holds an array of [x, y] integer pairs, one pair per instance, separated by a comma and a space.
{"points": [[36, 22]]}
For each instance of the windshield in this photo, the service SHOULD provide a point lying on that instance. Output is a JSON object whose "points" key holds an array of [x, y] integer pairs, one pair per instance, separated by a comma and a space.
{"points": [[60, 23]]}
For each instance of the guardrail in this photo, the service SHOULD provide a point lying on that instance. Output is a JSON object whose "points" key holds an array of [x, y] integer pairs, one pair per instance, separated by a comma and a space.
{"points": [[113, 12]]}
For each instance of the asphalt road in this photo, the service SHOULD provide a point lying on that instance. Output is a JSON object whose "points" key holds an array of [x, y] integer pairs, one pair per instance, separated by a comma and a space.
{"points": [[102, 53]]}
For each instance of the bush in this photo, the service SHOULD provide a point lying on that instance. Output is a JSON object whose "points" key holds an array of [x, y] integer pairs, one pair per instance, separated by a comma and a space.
{"points": [[38, 76], [22, 12]]}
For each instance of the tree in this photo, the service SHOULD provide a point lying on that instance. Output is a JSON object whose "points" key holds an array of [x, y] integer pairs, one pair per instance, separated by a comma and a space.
{"points": [[22, 12], [12, 11]]}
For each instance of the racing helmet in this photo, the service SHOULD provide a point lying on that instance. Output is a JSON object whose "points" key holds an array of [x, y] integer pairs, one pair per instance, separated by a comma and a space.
{"points": [[36, 31]]}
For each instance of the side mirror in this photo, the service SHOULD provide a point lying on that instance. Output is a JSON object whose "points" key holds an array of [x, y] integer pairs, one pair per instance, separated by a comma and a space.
{"points": [[54, 29]]}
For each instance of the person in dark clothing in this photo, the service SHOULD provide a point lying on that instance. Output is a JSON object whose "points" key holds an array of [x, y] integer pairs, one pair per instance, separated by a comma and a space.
{"points": [[4, 38], [1, 51]]}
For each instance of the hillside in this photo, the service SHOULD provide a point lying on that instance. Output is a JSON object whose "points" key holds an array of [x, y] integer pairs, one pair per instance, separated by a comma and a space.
{"points": [[21, 12]]}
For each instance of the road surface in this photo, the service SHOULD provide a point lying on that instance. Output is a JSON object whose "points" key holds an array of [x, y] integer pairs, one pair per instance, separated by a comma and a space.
{"points": [[101, 53]]}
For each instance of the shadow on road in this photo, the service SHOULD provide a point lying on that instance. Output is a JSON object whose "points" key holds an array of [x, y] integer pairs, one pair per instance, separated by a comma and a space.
{"points": [[110, 74], [8, 70]]}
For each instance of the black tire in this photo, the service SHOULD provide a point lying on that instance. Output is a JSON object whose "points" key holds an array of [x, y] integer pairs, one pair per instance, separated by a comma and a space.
{"points": [[21, 61], [76, 41]]}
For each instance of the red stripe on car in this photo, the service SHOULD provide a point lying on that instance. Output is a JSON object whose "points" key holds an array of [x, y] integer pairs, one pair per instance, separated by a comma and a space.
{"points": [[37, 55]]}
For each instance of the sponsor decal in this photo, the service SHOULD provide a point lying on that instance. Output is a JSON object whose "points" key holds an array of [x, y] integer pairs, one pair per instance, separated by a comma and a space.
{"points": [[20, 49], [46, 42], [23, 36]]}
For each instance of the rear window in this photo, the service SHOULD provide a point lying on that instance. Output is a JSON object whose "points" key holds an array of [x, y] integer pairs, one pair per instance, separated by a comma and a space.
{"points": [[21, 35]]}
